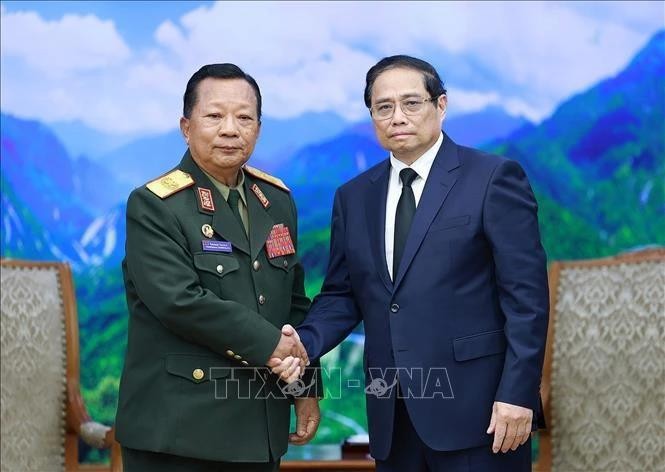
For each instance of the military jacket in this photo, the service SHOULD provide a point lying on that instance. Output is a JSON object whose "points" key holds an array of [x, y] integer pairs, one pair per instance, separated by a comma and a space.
{"points": [[206, 304]]}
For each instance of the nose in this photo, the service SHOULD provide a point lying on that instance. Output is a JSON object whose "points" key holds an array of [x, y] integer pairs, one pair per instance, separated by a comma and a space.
{"points": [[398, 118], [228, 126]]}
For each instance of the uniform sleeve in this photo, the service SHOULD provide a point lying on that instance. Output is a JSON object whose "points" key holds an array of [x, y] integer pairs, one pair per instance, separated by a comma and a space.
{"points": [[300, 304], [160, 266], [510, 220]]}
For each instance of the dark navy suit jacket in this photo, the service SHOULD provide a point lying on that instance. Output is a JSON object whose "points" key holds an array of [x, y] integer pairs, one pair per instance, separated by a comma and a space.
{"points": [[465, 321]]}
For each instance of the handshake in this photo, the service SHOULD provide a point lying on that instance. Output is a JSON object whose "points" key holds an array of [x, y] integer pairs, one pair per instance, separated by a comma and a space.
{"points": [[290, 357]]}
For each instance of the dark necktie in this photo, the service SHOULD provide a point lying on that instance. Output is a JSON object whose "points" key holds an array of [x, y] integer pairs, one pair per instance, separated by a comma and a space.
{"points": [[406, 208], [234, 198]]}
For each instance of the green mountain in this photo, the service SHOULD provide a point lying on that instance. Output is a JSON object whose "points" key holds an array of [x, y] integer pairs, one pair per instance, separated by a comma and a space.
{"points": [[598, 163]]}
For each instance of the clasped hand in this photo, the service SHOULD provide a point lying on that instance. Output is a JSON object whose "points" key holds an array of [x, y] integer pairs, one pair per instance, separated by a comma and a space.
{"points": [[290, 357]]}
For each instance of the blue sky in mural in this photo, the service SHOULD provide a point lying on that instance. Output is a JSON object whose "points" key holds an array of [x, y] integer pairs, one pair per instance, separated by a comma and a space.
{"points": [[119, 67]]}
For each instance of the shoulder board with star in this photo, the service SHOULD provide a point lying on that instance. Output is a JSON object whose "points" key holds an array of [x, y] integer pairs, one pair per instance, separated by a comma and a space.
{"points": [[170, 183], [259, 174]]}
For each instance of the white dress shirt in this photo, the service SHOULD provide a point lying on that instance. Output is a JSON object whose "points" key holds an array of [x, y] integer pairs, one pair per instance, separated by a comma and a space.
{"points": [[422, 166]]}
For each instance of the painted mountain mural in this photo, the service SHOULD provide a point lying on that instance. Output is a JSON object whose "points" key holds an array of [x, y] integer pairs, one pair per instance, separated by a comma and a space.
{"points": [[597, 165]]}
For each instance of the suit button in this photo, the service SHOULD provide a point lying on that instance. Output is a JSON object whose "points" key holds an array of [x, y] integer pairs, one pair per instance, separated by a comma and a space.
{"points": [[394, 307], [237, 357], [230, 353], [244, 362], [256, 265], [220, 268], [197, 374], [262, 299]]}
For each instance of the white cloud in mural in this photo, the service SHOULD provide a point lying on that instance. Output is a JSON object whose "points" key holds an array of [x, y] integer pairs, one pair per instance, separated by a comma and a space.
{"points": [[313, 56], [72, 44]]}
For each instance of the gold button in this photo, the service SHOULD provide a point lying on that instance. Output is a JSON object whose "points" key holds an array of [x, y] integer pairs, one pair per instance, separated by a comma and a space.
{"points": [[285, 263], [220, 268], [262, 299], [244, 363], [237, 357], [230, 353], [198, 374], [256, 265]]}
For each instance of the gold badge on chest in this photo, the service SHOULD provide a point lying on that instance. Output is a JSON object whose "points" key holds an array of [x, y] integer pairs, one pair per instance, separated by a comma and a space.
{"points": [[207, 230]]}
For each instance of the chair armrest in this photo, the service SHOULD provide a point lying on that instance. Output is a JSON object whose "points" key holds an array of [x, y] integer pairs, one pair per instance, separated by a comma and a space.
{"points": [[95, 434], [79, 422], [545, 392]]}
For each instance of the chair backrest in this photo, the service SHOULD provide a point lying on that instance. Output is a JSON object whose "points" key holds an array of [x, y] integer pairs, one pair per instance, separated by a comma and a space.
{"points": [[607, 373], [34, 365]]}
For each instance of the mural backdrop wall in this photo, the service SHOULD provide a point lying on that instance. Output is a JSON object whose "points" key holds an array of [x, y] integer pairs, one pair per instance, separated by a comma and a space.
{"points": [[91, 96]]}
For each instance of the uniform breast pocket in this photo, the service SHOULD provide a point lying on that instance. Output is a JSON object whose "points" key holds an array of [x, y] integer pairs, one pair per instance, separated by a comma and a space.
{"points": [[213, 268], [285, 263]]}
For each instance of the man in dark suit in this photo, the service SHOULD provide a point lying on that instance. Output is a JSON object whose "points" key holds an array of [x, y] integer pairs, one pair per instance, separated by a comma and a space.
{"points": [[437, 250], [211, 274]]}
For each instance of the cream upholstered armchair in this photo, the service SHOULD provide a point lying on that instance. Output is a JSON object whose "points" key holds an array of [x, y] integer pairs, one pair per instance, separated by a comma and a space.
{"points": [[604, 375], [43, 413]]}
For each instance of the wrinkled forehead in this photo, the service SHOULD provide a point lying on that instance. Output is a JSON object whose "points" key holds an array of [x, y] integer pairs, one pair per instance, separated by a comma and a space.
{"points": [[237, 92], [398, 83]]}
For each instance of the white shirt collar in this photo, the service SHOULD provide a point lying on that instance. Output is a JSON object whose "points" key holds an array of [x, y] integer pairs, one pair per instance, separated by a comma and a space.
{"points": [[423, 164]]}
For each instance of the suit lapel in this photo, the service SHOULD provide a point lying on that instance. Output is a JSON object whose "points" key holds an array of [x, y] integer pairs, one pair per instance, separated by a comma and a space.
{"points": [[377, 194], [223, 221], [440, 181], [260, 221]]}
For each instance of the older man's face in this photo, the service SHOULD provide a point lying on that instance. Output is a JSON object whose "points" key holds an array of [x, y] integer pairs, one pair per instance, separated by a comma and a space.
{"points": [[406, 136], [223, 127]]}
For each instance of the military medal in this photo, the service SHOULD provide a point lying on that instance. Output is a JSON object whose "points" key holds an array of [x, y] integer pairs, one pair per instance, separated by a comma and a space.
{"points": [[207, 230], [259, 194], [279, 242], [205, 199]]}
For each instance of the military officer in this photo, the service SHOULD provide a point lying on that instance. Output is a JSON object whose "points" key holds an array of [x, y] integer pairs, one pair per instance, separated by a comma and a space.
{"points": [[211, 274]]}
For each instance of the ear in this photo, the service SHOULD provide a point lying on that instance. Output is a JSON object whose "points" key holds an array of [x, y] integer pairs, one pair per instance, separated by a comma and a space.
{"points": [[442, 104], [184, 128]]}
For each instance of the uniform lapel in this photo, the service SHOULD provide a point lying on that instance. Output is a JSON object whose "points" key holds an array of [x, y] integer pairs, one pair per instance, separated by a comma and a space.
{"points": [[223, 221], [260, 221], [375, 199], [440, 181]]}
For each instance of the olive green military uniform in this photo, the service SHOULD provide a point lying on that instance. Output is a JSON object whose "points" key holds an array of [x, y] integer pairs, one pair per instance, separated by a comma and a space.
{"points": [[206, 306]]}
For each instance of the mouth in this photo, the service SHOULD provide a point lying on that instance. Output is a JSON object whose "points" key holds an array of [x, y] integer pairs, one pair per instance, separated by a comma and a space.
{"points": [[401, 135]]}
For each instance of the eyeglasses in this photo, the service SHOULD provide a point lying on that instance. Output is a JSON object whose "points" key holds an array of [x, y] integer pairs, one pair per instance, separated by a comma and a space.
{"points": [[409, 106]]}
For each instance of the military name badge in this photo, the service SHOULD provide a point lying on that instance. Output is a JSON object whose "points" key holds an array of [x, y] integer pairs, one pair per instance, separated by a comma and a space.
{"points": [[205, 199], [216, 246], [207, 230], [279, 242], [259, 194]]}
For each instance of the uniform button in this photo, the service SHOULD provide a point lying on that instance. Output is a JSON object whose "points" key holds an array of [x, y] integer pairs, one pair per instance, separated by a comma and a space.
{"points": [[220, 268], [256, 265], [237, 357], [394, 307], [244, 363], [262, 299], [230, 353], [285, 263], [197, 374]]}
